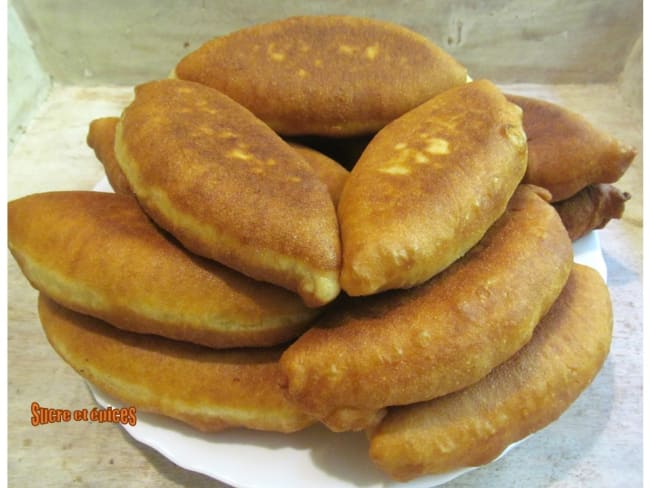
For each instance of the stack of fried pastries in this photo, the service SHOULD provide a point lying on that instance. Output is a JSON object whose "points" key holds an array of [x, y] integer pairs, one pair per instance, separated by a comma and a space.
{"points": [[236, 278], [93, 251], [413, 345], [206, 388], [522, 395], [576, 162]]}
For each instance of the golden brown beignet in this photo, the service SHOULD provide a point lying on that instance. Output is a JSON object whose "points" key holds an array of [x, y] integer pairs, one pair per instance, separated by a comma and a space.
{"points": [[533, 388], [591, 208], [99, 254], [101, 138], [428, 186], [227, 187], [566, 152], [328, 171], [327, 75], [208, 389], [412, 345]]}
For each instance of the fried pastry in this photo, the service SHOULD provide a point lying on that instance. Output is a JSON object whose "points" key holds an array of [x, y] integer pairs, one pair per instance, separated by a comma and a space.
{"points": [[99, 254], [326, 75], [406, 346], [566, 152], [533, 388], [101, 138], [229, 188], [328, 171], [428, 186], [344, 150], [207, 389], [591, 208]]}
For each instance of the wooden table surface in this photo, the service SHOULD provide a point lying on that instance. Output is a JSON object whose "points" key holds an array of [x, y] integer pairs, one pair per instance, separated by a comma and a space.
{"points": [[596, 443]]}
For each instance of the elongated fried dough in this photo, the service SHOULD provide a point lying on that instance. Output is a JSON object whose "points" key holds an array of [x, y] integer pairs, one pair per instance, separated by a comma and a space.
{"points": [[98, 253], [412, 345], [428, 186], [328, 171], [226, 186], [591, 208], [566, 152], [101, 138], [344, 150], [473, 426], [208, 389], [326, 75]]}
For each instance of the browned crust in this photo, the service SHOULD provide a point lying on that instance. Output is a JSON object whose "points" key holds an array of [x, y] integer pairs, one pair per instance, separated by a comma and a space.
{"points": [[428, 186], [591, 208], [223, 183], [328, 75], [408, 346], [566, 152], [99, 254], [526, 393], [101, 138], [344, 150], [328, 171], [207, 389]]}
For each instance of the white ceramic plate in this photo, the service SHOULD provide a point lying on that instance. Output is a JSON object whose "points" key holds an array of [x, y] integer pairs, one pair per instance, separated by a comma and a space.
{"points": [[313, 457], [250, 459]]}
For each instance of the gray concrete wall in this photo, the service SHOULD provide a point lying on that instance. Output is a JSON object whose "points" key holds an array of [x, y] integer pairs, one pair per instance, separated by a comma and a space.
{"points": [[27, 82], [508, 41]]}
